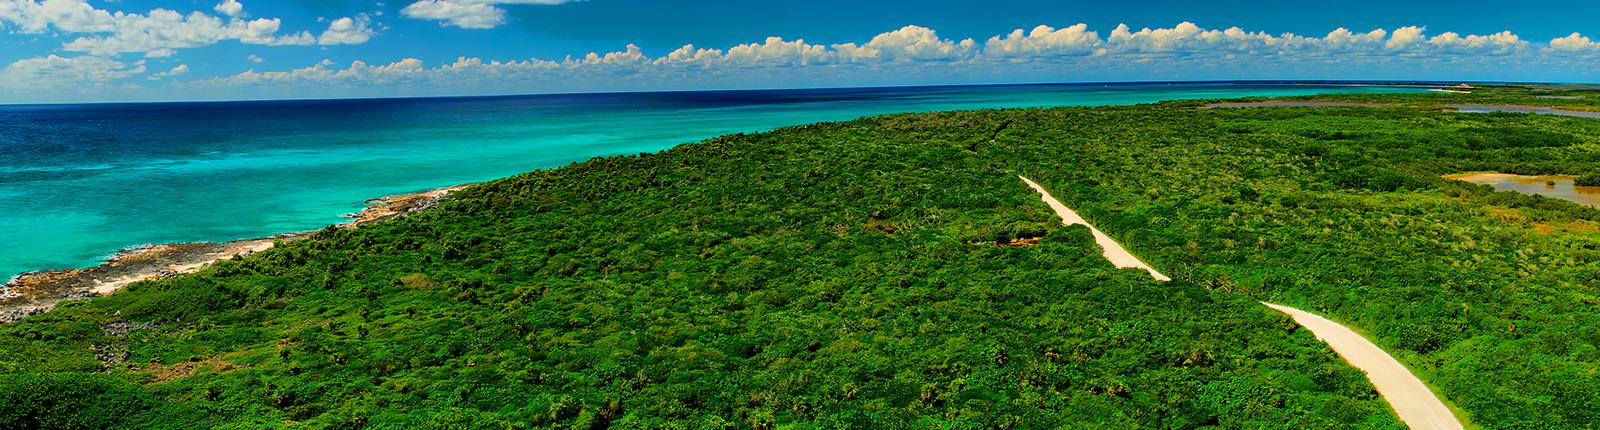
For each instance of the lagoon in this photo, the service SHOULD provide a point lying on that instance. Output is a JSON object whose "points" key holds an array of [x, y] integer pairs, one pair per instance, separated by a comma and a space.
{"points": [[1554, 186]]}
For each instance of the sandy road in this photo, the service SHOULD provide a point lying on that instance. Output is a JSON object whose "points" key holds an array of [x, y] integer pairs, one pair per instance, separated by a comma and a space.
{"points": [[1110, 248], [1417, 406], [1412, 401]]}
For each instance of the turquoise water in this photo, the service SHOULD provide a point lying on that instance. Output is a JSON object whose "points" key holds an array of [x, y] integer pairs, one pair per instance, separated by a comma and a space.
{"points": [[79, 182]]}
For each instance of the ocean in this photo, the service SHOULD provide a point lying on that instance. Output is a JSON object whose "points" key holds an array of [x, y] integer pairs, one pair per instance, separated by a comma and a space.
{"points": [[80, 182]]}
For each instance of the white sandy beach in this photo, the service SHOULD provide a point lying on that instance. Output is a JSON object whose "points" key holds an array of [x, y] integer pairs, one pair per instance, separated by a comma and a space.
{"points": [[35, 292]]}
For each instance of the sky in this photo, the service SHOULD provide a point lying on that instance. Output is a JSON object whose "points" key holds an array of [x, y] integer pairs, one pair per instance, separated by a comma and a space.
{"points": [[167, 50]]}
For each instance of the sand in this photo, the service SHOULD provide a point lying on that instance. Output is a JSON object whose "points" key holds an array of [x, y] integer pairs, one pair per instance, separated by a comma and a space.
{"points": [[397, 205], [1481, 177], [1110, 248], [35, 292], [1417, 406]]}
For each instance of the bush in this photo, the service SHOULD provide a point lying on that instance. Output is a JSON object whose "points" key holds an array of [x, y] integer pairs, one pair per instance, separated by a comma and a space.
{"points": [[68, 401]]}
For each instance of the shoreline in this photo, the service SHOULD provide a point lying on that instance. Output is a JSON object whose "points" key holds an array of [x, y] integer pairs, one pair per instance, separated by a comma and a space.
{"points": [[39, 291]]}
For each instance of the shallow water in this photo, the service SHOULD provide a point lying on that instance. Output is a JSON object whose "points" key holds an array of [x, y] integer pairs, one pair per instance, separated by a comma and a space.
{"points": [[1524, 109], [1560, 187], [78, 182]]}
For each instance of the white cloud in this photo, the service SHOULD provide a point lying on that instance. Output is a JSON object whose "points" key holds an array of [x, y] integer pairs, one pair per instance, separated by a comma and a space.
{"points": [[632, 57], [1574, 43], [775, 52], [908, 44], [1190, 39], [56, 72], [160, 53], [474, 14], [182, 69], [159, 31], [1405, 38], [1344, 40], [772, 52], [358, 72], [229, 7], [1154, 40], [348, 31], [1044, 41], [256, 59], [165, 29], [1501, 43], [909, 55], [73, 16], [689, 54], [921, 47], [302, 38]]}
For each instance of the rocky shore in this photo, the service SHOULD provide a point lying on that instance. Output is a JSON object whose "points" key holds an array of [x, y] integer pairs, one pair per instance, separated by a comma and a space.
{"points": [[37, 292]]}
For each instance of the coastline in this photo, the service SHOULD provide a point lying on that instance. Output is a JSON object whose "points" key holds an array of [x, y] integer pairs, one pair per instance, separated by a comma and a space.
{"points": [[37, 292]]}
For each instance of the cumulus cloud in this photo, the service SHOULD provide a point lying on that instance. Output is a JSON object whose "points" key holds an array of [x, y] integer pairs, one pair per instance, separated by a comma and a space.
{"points": [[474, 14], [348, 31], [1344, 40], [324, 71], [1501, 43], [72, 16], [229, 7], [775, 52], [1405, 38], [915, 46], [772, 52], [55, 72], [1188, 38], [909, 44], [182, 69], [1044, 41], [256, 59], [165, 29], [1074, 52], [1574, 43], [160, 31]]}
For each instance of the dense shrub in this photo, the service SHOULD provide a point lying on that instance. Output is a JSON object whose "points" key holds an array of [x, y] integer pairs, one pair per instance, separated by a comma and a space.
{"points": [[847, 275]]}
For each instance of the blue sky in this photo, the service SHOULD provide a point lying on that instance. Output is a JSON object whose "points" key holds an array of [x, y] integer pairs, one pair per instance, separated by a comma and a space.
{"points": [[93, 50]]}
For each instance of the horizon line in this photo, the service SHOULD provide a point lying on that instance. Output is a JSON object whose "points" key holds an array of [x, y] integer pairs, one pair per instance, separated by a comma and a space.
{"points": [[1349, 82]]}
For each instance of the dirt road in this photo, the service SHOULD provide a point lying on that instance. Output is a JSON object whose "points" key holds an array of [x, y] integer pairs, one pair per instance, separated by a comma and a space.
{"points": [[1412, 401], [1416, 405], [1110, 248]]}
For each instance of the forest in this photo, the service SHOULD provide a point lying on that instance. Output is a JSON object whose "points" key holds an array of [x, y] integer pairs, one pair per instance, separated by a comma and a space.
{"points": [[892, 272]]}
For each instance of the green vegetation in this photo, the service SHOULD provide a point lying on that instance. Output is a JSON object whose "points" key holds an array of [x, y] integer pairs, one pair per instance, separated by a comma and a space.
{"points": [[1590, 180], [844, 275]]}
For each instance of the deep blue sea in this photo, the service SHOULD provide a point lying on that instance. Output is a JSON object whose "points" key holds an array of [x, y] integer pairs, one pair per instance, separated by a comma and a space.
{"points": [[79, 182]]}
